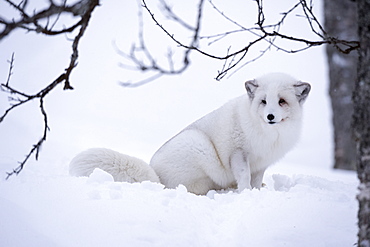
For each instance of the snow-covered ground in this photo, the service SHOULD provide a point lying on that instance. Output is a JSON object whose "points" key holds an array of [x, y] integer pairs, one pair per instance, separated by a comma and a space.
{"points": [[304, 203], [53, 209]]}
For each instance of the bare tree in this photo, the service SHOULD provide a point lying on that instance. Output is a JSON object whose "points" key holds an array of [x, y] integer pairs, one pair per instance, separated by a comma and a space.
{"points": [[350, 76], [43, 22], [361, 98], [259, 32], [262, 33], [341, 21]]}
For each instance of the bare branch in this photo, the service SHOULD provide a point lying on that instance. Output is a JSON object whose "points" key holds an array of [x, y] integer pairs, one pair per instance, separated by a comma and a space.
{"points": [[11, 63], [153, 65], [36, 147], [142, 82], [172, 16], [83, 9], [262, 31]]}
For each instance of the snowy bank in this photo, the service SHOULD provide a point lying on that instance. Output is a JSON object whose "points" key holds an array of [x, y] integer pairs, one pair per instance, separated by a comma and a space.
{"points": [[39, 209]]}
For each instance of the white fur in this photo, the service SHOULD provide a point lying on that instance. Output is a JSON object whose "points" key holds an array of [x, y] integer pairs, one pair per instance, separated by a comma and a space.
{"points": [[122, 167], [229, 147]]}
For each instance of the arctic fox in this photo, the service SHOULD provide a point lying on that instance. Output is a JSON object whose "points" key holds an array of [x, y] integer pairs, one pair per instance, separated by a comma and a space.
{"points": [[230, 147]]}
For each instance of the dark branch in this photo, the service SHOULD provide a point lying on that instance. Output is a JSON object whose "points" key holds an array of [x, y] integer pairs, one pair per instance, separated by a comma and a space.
{"points": [[262, 32], [83, 9], [153, 65], [167, 10]]}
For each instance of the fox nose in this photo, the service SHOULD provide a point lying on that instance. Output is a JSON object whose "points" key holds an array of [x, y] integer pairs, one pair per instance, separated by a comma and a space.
{"points": [[270, 117]]}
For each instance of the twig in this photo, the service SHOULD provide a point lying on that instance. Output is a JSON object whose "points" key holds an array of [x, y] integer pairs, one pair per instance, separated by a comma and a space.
{"points": [[269, 33], [84, 9]]}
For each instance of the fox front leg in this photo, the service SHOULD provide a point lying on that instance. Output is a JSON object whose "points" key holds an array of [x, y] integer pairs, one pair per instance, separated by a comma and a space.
{"points": [[256, 179], [241, 170]]}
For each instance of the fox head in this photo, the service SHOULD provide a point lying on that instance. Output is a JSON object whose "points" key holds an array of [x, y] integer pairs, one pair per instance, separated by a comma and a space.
{"points": [[277, 97]]}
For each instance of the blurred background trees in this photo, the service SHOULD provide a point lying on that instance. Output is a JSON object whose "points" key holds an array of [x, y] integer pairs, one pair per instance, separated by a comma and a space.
{"points": [[341, 21]]}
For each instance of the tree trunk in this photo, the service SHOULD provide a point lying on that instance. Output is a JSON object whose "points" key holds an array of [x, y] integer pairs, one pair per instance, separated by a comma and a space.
{"points": [[361, 122], [341, 22]]}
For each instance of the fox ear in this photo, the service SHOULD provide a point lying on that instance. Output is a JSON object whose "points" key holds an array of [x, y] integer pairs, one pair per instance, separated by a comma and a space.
{"points": [[251, 87], [302, 90]]}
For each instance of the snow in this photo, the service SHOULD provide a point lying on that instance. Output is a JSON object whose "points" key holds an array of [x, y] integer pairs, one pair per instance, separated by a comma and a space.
{"points": [[304, 202], [41, 209]]}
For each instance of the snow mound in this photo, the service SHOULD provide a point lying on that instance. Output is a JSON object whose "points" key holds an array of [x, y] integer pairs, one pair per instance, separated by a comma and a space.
{"points": [[99, 176], [285, 183]]}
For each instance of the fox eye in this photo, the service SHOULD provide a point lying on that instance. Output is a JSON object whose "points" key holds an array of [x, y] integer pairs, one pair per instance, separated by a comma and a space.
{"points": [[263, 102], [282, 102]]}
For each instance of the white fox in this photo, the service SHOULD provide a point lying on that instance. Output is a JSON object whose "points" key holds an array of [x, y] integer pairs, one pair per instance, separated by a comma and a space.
{"points": [[230, 147]]}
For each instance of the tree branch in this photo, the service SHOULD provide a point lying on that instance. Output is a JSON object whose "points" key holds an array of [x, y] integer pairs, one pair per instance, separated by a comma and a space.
{"points": [[261, 31], [83, 9], [153, 65]]}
